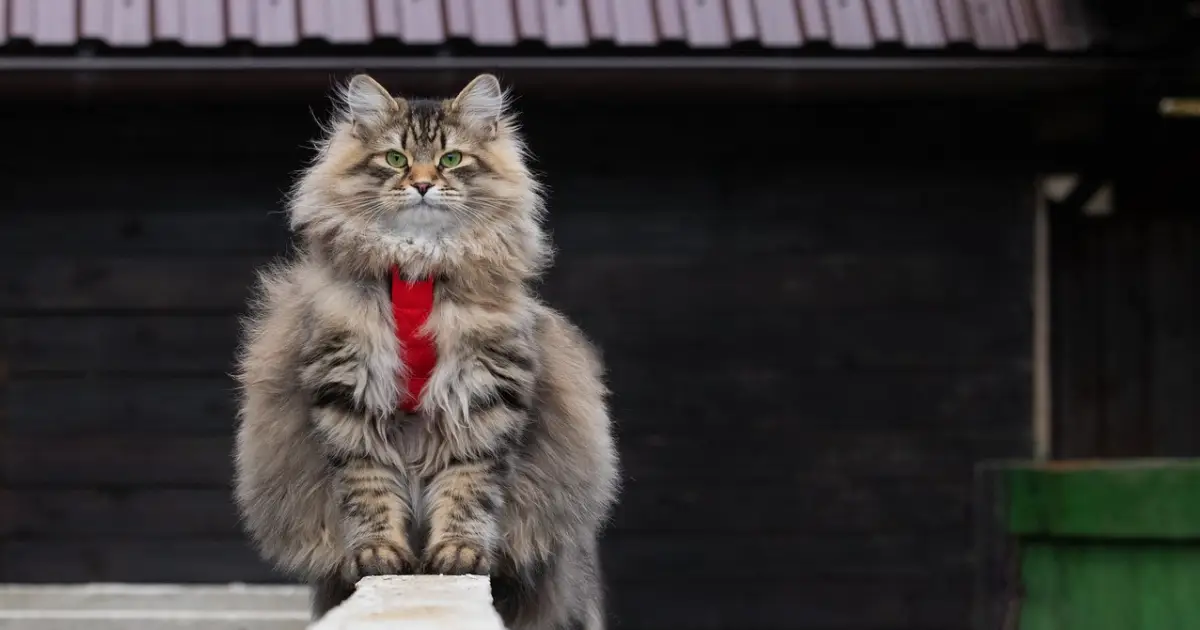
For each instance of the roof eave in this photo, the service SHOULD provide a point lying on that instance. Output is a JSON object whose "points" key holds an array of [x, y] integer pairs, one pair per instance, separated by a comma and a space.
{"points": [[801, 77]]}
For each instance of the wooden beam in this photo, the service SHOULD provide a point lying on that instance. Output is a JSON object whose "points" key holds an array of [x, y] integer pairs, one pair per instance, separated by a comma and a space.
{"points": [[1042, 360], [794, 78], [1179, 107]]}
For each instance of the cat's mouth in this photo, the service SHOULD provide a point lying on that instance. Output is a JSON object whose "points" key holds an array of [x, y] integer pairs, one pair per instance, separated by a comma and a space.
{"points": [[422, 206], [432, 200]]}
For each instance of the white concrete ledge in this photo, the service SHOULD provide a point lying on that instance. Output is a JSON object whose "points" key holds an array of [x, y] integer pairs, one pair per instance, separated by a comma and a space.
{"points": [[151, 620], [416, 602], [153, 607], [115, 596]]}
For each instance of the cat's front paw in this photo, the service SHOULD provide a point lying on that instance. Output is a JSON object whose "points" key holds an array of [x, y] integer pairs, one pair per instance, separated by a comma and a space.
{"points": [[381, 557], [457, 557]]}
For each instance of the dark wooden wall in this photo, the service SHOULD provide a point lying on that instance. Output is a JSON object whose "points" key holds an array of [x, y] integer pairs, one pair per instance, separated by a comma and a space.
{"points": [[815, 321], [1126, 305]]}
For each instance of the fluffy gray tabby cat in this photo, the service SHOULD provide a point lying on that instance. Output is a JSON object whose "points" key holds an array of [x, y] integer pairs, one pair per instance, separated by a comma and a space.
{"points": [[507, 465]]}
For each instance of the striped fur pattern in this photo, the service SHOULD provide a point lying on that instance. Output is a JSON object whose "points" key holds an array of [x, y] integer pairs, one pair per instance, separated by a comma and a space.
{"points": [[508, 467]]}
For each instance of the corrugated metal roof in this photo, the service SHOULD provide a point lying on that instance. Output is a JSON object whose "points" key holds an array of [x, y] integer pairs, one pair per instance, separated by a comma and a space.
{"points": [[630, 25]]}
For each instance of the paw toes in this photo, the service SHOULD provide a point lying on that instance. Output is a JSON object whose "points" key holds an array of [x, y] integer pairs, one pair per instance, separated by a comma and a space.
{"points": [[382, 558], [454, 558]]}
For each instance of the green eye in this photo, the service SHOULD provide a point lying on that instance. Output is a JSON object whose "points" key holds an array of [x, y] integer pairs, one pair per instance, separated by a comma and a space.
{"points": [[452, 159], [396, 159]]}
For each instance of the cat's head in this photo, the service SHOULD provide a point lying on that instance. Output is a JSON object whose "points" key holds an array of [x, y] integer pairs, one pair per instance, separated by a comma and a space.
{"points": [[434, 185]]}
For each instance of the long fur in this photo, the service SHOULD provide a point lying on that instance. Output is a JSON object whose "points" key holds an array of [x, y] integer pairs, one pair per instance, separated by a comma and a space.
{"points": [[509, 467]]}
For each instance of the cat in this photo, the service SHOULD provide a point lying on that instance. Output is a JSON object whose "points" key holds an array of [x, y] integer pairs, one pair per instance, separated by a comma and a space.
{"points": [[497, 458]]}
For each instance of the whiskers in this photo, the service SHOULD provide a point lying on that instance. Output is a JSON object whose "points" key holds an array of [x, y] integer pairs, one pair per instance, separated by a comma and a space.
{"points": [[481, 210], [363, 203]]}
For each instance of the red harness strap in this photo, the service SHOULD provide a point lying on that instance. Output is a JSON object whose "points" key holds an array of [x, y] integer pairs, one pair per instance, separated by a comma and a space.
{"points": [[412, 303]]}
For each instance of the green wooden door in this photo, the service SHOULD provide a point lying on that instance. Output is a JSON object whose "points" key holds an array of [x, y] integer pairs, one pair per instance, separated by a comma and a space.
{"points": [[1111, 545]]}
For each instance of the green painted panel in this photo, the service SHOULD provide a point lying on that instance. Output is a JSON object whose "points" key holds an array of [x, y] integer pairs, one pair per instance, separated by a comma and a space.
{"points": [[1152, 499], [1099, 586]]}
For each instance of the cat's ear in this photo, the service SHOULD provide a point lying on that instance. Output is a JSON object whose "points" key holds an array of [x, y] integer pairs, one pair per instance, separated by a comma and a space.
{"points": [[481, 103], [368, 103]]}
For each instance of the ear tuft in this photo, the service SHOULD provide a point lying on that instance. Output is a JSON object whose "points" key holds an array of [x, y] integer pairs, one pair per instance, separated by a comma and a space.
{"points": [[368, 102], [482, 102]]}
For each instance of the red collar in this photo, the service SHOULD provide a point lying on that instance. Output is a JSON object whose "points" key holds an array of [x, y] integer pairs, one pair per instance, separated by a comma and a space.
{"points": [[412, 303]]}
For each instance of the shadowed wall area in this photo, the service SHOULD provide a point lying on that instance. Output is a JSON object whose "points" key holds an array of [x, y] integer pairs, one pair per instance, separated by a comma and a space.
{"points": [[815, 320]]}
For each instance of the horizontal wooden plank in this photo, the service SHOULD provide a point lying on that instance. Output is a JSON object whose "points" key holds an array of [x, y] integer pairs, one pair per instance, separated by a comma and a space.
{"points": [[781, 227], [659, 398], [631, 557], [856, 602], [109, 460], [760, 329], [834, 506], [255, 147], [831, 281], [801, 456], [179, 561], [218, 283], [61, 406], [115, 514], [96, 344], [948, 213], [247, 230], [145, 461]]}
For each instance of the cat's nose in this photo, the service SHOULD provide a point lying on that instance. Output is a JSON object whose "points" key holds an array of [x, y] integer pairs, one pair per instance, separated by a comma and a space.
{"points": [[422, 187]]}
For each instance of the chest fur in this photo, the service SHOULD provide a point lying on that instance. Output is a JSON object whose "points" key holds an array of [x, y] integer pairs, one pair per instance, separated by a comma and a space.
{"points": [[420, 354], [480, 357]]}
